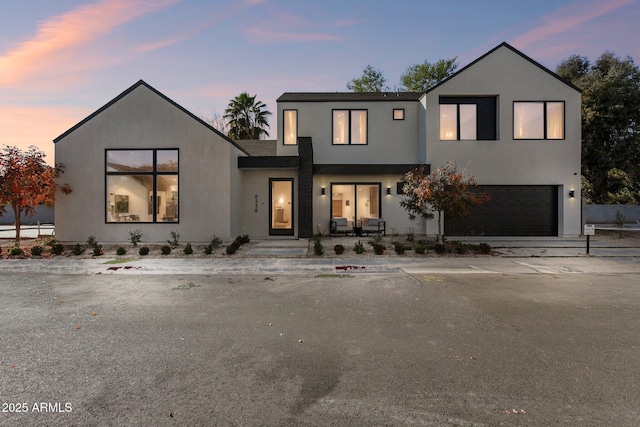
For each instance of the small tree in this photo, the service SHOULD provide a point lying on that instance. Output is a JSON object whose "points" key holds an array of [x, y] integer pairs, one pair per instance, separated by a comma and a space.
{"points": [[445, 190], [27, 181], [422, 77], [372, 80]]}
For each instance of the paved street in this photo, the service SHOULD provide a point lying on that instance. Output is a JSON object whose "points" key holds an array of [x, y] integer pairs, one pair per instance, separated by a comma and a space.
{"points": [[469, 342]]}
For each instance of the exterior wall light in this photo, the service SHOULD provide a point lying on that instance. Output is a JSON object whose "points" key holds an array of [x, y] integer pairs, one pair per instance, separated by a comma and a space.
{"points": [[572, 193], [323, 191], [388, 191]]}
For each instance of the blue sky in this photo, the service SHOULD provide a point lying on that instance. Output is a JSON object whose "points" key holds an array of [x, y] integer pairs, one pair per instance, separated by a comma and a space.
{"points": [[61, 60]]}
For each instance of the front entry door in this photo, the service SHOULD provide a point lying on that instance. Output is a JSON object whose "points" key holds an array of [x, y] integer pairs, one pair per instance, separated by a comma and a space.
{"points": [[281, 212]]}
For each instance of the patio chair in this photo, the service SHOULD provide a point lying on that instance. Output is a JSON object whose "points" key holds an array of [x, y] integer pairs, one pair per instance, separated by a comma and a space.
{"points": [[374, 225], [341, 225]]}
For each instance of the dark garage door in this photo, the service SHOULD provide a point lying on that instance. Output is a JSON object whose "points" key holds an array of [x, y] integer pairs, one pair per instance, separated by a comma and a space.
{"points": [[514, 210]]}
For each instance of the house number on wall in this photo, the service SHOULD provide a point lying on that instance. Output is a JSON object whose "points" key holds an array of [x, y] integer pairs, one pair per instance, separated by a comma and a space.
{"points": [[256, 208]]}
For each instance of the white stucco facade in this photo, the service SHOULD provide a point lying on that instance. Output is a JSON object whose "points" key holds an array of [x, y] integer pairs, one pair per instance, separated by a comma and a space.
{"points": [[220, 188]]}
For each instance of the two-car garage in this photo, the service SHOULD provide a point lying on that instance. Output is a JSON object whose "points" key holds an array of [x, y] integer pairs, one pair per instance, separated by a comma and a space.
{"points": [[514, 210]]}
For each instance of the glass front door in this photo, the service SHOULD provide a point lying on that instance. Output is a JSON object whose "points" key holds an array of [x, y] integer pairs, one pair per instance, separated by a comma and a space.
{"points": [[281, 212]]}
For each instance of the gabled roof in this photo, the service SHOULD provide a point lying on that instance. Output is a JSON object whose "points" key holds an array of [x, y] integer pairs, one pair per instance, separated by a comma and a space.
{"points": [[160, 94], [348, 96], [508, 46]]}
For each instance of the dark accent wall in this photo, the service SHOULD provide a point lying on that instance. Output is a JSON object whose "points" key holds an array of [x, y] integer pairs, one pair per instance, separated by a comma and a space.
{"points": [[305, 188], [514, 210], [362, 169], [268, 162]]}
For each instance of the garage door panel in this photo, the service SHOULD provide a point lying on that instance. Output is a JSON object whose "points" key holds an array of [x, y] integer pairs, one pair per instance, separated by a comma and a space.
{"points": [[513, 210]]}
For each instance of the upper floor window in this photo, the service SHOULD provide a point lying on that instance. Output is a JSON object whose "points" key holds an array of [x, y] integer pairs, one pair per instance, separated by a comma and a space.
{"points": [[290, 127], [468, 118], [142, 185], [349, 127], [538, 120], [398, 114]]}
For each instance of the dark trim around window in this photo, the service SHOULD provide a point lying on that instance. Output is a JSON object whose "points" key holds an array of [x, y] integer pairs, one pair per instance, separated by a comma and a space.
{"points": [[154, 173], [398, 110], [486, 115], [544, 121], [355, 184], [349, 110], [284, 129]]}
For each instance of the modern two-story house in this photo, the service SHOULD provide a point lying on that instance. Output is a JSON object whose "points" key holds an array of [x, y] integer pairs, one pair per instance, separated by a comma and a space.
{"points": [[144, 162]]}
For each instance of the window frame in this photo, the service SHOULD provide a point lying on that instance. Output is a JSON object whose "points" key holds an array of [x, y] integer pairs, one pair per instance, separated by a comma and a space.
{"points": [[398, 110], [486, 115], [284, 128], [545, 122], [355, 201], [348, 125], [154, 173]]}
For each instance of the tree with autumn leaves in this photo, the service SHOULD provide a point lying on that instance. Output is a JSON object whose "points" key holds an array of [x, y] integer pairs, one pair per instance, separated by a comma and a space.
{"points": [[27, 181], [445, 191]]}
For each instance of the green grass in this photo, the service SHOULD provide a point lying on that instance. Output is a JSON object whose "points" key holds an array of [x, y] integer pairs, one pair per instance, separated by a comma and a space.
{"points": [[120, 261], [333, 276]]}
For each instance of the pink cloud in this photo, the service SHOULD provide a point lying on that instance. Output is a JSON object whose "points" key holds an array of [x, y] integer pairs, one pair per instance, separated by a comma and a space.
{"points": [[577, 18], [270, 31], [261, 36], [59, 37]]}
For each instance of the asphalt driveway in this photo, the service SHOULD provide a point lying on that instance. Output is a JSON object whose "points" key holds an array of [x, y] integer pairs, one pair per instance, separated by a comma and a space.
{"points": [[371, 349]]}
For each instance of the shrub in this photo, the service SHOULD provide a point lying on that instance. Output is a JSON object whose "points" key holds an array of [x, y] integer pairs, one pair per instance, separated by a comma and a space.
{"points": [[16, 251], [135, 236], [121, 251], [91, 241], [233, 247], [37, 250], [420, 249], [378, 248], [399, 248], [460, 248], [243, 239], [144, 251], [77, 249], [165, 250], [339, 249], [484, 248], [358, 247], [188, 250], [439, 248], [175, 239], [317, 247], [97, 250], [57, 249]]}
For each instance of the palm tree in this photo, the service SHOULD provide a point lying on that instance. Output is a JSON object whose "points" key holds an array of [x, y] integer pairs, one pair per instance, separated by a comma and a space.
{"points": [[247, 117]]}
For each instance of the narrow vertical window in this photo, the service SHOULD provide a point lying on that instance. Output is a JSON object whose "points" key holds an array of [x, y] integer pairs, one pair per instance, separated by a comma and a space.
{"points": [[468, 121], [340, 127], [358, 127], [290, 127], [448, 122], [555, 120]]}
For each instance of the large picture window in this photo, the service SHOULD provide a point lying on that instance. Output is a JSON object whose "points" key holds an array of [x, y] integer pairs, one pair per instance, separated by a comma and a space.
{"points": [[349, 127], [470, 118], [290, 127], [142, 185], [538, 120], [356, 202]]}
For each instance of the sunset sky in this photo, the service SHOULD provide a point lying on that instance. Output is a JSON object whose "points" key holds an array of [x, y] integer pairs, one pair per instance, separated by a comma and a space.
{"points": [[61, 60]]}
